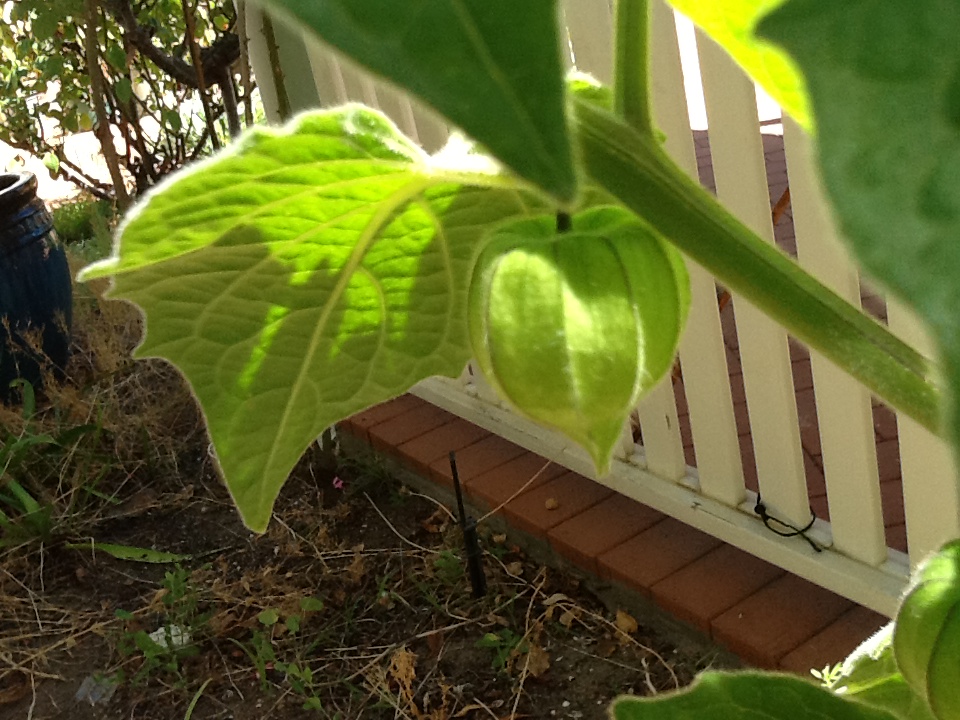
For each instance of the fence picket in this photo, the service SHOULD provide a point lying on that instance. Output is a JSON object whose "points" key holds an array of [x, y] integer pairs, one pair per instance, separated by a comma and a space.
{"points": [[326, 73], [844, 412], [590, 32], [590, 27], [931, 495], [431, 131], [259, 60], [738, 163], [702, 354]]}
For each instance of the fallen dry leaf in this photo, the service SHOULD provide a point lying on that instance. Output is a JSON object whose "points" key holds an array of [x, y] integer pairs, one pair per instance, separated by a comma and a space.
{"points": [[554, 599], [403, 670], [498, 620], [551, 504], [515, 568], [538, 661], [437, 522], [16, 688], [356, 569], [626, 624], [567, 619]]}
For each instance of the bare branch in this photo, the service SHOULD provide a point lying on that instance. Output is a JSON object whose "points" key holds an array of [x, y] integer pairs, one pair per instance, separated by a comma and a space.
{"points": [[224, 51]]}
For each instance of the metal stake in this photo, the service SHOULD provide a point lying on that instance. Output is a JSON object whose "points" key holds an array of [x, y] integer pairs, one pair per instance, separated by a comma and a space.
{"points": [[470, 540]]}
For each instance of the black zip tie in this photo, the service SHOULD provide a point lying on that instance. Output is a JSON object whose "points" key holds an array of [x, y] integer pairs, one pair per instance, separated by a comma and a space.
{"points": [[761, 510], [470, 540]]}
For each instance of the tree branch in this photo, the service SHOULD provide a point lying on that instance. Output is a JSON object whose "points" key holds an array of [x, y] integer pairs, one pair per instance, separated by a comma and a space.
{"points": [[224, 51]]}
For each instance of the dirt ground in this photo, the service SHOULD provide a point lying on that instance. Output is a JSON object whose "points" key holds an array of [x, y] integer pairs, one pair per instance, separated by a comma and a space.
{"points": [[354, 604]]}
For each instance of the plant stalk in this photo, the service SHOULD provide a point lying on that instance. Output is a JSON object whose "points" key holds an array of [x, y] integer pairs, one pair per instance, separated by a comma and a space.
{"points": [[631, 85], [245, 82], [638, 172], [190, 23], [283, 100]]}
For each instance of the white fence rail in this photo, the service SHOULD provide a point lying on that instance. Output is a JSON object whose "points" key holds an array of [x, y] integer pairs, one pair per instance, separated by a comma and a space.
{"points": [[705, 483]]}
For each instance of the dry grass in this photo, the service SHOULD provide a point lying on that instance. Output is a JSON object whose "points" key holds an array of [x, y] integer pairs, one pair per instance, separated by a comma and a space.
{"points": [[107, 432]]}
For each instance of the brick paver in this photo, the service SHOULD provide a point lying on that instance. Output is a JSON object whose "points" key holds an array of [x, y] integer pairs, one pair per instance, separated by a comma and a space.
{"points": [[776, 620], [646, 559], [832, 644], [584, 537], [494, 487], [713, 584], [475, 460], [422, 451], [386, 436], [360, 423], [554, 502]]}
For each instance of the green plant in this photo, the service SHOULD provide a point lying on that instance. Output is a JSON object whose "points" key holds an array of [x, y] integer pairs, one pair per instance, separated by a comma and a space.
{"points": [[504, 643], [51, 464], [448, 568], [25, 518], [165, 649], [161, 654], [263, 653], [300, 677], [29, 519], [83, 221], [266, 273]]}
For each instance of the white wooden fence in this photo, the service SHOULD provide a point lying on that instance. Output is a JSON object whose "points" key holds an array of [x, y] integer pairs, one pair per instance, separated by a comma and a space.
{"points": [[714, 495]]}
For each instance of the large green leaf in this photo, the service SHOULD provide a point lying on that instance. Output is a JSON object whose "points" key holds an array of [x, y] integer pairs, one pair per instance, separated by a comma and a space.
{"points": [[884, 79], [492, 67], [302, 276], [721, 696], [871, 676], [731, 23]]}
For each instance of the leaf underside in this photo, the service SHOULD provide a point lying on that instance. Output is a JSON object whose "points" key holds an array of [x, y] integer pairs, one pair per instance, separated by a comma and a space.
{"points": [[721, 696], [491, 67], [731, 24], [305, 275], [884, 80]]}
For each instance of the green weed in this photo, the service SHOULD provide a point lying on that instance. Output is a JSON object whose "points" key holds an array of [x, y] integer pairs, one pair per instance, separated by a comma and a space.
{"points": [[503, 643], [448, 568], [164, 650]]}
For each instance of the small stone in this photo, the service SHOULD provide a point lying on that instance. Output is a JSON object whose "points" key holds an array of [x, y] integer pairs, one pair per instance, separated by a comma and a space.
{"points": [[551, 504]]}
